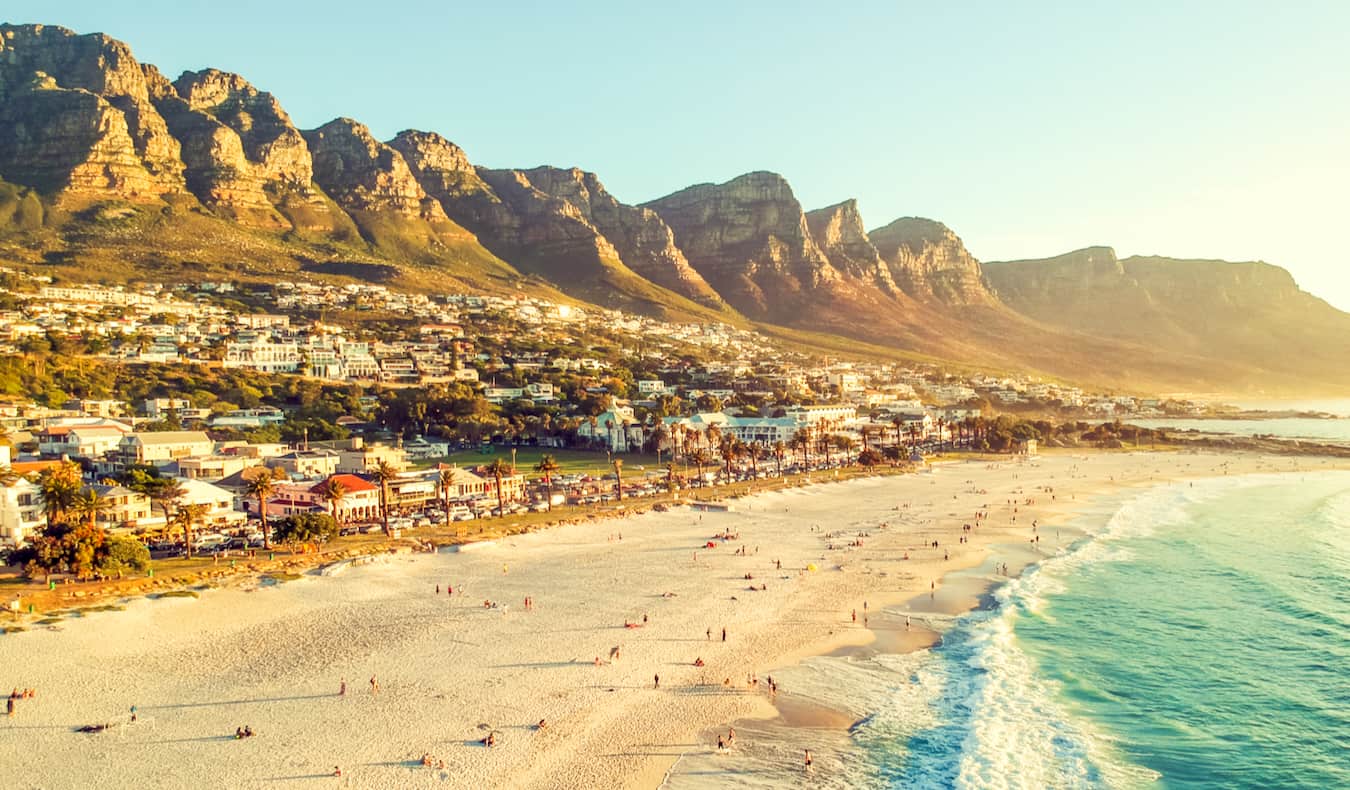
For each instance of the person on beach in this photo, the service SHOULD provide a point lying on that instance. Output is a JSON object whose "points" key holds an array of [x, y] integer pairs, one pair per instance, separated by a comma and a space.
{"points": [[808, 759], [337, 771], [374, 687], [656, 681], [709, 633], [342, 688], [724, 633], [9, 706], [721, 742], [133, 713]]}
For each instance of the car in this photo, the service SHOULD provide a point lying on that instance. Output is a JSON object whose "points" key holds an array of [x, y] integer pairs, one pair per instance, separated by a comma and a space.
{"points": [[369, 528]]}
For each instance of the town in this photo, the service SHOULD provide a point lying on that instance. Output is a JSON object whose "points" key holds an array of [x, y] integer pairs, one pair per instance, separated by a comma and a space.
{"points": [[432, 398]]}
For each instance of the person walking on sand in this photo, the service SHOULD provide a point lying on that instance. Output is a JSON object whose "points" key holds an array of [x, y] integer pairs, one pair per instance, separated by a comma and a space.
{"points": [[724, 633], [710, 633], [808, 759], [374, 686], [342, 689], [656, 681]]}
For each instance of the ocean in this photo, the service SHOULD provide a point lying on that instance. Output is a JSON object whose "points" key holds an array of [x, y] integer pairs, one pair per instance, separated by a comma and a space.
{"points": [[1200, 638], [1332, 431]]}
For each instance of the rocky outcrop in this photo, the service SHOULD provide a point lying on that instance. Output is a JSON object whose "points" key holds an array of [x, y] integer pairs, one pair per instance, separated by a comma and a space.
{"points": [[269, 139], [928, 261], [750, 241], [102, 67], [69, 141], [838, 231], [363, 174], [644, 242]]}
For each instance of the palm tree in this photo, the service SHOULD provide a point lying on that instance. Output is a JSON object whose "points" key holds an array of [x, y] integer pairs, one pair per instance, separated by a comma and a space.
{"points": [[618, 477], [382, 475], [497, 468], [700, 458], [898, 423], [87, 505], [727, 449], [670, 477], [262, 487], [779, 450], [184, 518], [845, 446], [333, 491], [444, 481], [167, 493], [58, 486], [548, 466], [802, 439]]}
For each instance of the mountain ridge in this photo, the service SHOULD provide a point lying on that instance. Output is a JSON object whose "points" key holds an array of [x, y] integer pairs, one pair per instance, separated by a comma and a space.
{"points": [[110, 168]]}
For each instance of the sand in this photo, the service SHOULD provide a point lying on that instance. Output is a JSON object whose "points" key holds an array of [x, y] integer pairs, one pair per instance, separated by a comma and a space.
{"points": [[451, 670]]}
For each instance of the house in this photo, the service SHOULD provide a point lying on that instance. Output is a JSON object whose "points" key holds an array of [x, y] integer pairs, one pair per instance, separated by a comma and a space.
{"points": [[21, 510], [360, 500], [214, 467], [125, 509], [306, 463], [93, 440], [617, 429], [361, 458], [160, 447], [219, 503]]}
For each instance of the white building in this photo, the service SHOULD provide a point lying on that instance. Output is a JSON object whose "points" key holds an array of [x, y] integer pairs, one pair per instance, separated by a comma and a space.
{"points": [[263, 354]]}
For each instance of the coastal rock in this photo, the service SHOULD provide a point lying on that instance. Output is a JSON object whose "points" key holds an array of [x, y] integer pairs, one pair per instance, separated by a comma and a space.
{"points": [[928, 261], [749, 239], [838, 231], [103, 67]]}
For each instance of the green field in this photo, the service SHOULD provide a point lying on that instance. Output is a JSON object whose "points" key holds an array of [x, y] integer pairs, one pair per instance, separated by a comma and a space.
{"points": [[571, 461]]}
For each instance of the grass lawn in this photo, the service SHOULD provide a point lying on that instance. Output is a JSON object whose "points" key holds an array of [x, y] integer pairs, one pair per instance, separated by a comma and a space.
{"points": [[571, 461]]}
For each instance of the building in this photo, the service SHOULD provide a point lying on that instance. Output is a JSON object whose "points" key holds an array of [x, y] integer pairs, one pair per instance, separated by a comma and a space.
{"points": [[81, 441], [263, 354], [214, 467], [160, 447], [125, 509], [811, 415], [617, 429], [21, 511], [219, 503], [360, 458], [360, 500], [307, 463]]}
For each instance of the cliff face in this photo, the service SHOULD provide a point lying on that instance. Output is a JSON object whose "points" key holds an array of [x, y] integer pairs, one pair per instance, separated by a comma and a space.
{"points": [[49, 134], [363, 174], [1250, 314], [838, 231], [929, 261], [643, 241], [749, 239]]}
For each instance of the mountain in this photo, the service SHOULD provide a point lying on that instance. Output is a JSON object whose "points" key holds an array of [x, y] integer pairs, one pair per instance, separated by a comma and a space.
{"points": [[930, 262], [1250, 315], [111, 170]]}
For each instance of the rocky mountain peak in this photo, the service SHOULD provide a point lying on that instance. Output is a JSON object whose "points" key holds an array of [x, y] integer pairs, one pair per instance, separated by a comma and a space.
{"points": [[749, 239], [929, 261], [838, 231], [363, 174]]}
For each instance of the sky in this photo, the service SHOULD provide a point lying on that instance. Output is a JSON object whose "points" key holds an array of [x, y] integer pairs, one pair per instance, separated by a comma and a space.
{"points": [[1187, 129]]}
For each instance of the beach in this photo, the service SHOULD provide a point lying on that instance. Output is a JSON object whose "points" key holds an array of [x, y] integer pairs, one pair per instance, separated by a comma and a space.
{"points": [[453, 669]]}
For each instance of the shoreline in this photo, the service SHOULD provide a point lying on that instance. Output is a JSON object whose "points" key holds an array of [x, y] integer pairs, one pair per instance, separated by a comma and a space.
{"points": [[969, 589], [451, 666]]}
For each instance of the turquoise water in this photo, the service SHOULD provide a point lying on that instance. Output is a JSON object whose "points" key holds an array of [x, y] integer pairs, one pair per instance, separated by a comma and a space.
{"points": [[1201, 640]]}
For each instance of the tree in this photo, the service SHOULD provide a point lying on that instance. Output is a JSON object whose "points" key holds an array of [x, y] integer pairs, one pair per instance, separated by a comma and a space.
{"points": [[618, 477], [779, 451], [307, 528], [383, 474], [87, 505], [165, 492], [869, 458], [333, 491], [497, 469], [444, 481], [802, 440], [123, 554], [184, 518], [670, 477], [700, 458], [845, 446], [262, 487], [548, 466], [58, 486]]}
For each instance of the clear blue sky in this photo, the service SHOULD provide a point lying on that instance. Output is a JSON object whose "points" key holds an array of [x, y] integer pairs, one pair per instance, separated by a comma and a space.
{"points": [[1192, 129]]}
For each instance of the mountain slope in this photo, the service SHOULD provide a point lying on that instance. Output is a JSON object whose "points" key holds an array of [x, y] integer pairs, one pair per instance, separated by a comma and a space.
{"points": [[1250, 315]]}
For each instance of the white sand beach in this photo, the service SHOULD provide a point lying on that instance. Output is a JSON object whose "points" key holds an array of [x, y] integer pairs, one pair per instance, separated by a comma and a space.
{"points": [[451, 671]]}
